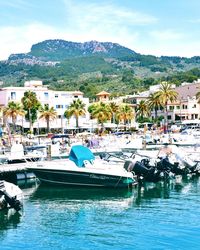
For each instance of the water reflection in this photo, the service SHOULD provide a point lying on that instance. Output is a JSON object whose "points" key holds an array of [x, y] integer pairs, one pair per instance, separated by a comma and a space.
{"points": [[79, 197], [9, 218], [163, 190], [147, 192], [77, 193]]}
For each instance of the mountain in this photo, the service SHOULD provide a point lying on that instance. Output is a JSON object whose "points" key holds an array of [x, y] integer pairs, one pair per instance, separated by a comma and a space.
{"points": [[59, 50], [95, 66]]}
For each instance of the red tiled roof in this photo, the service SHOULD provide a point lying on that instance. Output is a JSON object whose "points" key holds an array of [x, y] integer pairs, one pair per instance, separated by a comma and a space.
{"points": [[103, 93], [188, 90]]}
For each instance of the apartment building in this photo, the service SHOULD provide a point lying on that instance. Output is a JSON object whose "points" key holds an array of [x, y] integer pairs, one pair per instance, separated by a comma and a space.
{"points": [[60, 100], [186, 107]]}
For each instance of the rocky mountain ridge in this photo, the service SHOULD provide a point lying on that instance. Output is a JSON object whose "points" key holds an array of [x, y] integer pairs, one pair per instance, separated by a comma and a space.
{"points": [[58, 50]]}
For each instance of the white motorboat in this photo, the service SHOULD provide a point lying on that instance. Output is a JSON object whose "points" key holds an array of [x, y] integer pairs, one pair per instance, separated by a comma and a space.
{"points": [[83, 169]]}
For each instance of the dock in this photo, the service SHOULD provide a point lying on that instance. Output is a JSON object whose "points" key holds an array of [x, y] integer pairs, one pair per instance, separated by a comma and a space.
{"points": [[15, 172]]}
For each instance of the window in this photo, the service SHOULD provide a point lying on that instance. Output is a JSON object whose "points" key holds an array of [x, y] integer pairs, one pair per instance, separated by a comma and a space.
{"points": [[59, 106], [169, 117], [46, 95], [13, 95], [56, 95], [177, 107], [171, 107], [184, 106]]}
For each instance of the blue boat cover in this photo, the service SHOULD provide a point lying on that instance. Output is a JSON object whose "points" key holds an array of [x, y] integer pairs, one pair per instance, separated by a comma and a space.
{"points": [[79, 154]]}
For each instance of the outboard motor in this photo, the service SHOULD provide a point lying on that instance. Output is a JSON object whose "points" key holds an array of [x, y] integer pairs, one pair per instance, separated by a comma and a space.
{"points": [[12, 201], [151, 174], [137, 167], [165, 165]]}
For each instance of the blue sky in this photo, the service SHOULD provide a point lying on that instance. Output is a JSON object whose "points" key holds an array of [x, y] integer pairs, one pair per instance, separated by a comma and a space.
{"points": [[156, 27]]}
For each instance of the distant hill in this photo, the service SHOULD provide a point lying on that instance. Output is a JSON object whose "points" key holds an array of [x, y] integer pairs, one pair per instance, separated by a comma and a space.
{"points": [[59, 50], [94, 66]]}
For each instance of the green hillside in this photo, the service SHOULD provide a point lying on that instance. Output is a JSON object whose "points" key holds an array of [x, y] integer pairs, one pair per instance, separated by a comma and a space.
{"points": [[94, 66]]}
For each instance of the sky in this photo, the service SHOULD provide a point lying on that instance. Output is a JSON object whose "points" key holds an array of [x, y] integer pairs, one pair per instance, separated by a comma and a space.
{"points": [[153, 27]]}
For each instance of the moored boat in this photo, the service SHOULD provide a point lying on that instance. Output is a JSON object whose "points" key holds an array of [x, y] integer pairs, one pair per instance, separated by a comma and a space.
{"points": [[11, 196], [83, 169]]}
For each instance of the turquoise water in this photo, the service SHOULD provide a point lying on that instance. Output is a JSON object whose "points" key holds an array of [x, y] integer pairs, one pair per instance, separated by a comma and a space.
{"points": [[161, 216]]}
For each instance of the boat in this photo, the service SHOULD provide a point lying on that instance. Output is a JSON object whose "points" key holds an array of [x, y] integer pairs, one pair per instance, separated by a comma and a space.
{"points": [[82, 168], [11, 196]]}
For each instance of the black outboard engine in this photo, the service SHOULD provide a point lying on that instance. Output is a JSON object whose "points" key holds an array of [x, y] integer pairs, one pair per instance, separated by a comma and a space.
{"points": [[150, 174], [137, 167], [12, 201], [147, 172], [165, 165]]}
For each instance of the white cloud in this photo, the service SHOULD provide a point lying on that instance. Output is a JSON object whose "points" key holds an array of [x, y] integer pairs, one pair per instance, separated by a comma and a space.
{"points": [[88, 15], [166, 35], [197, 21], [16, 4], [20, 39], [172, 49]]}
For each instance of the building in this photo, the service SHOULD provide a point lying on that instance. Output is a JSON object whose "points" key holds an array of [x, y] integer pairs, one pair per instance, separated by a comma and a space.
{"points": [[103, 96], [185, 107], [60, 100]]}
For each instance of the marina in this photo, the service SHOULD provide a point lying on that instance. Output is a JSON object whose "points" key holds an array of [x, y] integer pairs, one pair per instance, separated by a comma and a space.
{"points": [[153, 215], [103, 195], [99, 125]]}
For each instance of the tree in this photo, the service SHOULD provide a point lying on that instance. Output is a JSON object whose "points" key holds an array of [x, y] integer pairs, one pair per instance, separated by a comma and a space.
{"points": [[13, 110], [48, 114], [166, 93], [198, 96], [154, 103], [31, 106], [142, 109], [76, 108], [114, 108], [125, 113], [101, 111]]}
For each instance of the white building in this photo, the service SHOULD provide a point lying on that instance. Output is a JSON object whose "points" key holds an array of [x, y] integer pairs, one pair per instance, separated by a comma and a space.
{"points": [[185, 107], [60, 100]]}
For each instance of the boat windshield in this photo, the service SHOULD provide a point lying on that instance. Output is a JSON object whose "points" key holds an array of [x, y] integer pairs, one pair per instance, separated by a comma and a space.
{"points": [[79, 154]]}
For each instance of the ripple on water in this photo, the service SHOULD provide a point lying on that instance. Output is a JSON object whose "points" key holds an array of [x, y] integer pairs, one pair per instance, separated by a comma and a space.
{"points": [[159, 217]]}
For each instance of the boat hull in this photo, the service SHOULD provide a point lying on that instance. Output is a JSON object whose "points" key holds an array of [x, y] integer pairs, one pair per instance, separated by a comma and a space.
{"points": [[74, 178]]}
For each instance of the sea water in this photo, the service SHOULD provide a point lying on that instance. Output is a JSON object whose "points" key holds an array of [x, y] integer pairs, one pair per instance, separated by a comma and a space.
{"points": [[155, 216]]}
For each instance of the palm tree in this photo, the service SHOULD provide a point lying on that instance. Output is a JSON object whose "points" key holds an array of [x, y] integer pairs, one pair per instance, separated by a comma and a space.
{"points": [[125, 113], [76, 108], [143, 109], [198, 96], [166, 93], [154, 102], [114, 108], [13, 110], [31, 106], [48, 114], [101, 111]]}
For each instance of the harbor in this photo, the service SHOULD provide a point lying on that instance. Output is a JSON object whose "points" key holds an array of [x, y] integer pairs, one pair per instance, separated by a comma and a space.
{"points": [[154, 215], [99, 125], [69, 195]]}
